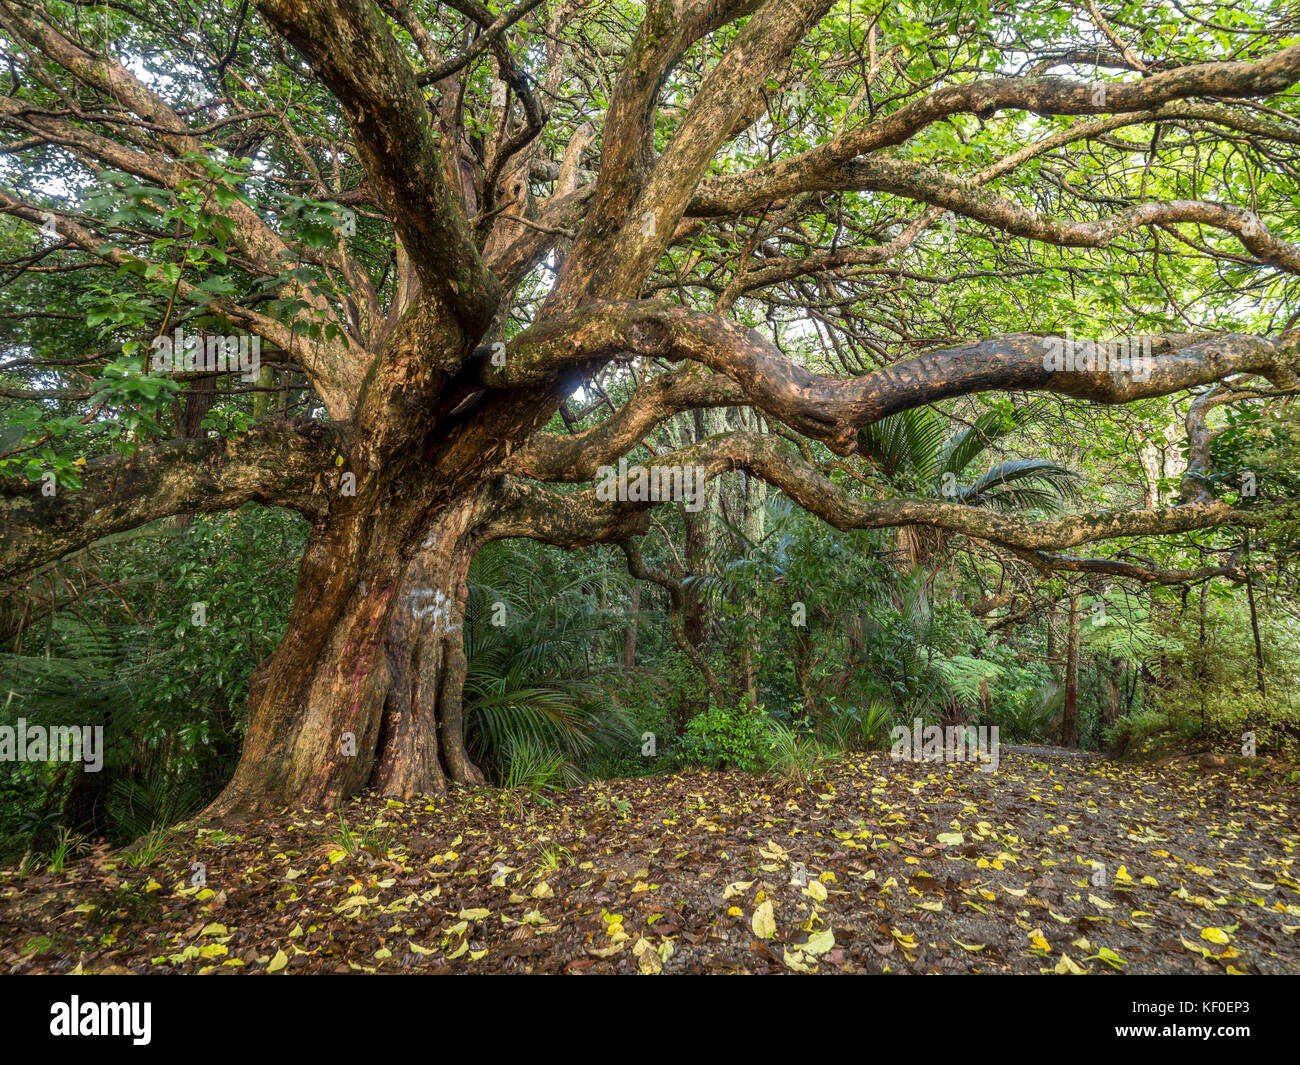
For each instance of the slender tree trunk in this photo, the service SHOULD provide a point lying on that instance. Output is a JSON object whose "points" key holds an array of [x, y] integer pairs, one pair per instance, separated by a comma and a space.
{"points": [[85, 802], [1070, 716], [699, 540], [629, 634], [1052, 651], [802, 667], [200, 398], [749, 672], [1201, 663], [1254, 622], [266, 378], [753, 525], [192, 406], [697, 543]]}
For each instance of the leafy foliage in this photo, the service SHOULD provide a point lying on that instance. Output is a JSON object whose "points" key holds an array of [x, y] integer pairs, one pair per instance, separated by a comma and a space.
{"points": [[725, 738]]}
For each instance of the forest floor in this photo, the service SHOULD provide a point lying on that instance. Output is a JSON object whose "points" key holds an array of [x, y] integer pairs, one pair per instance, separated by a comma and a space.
{"points": [[879, 866]]}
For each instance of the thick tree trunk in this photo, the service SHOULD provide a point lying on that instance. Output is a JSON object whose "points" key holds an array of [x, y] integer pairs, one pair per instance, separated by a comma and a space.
{"points": [[314, 708], [423, 739], [373, 650]]}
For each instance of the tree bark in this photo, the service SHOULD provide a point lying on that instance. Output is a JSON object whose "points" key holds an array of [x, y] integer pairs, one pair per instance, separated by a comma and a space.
{"points": [[367, 686], [629, 634], [1070, 715], [422, 741]]}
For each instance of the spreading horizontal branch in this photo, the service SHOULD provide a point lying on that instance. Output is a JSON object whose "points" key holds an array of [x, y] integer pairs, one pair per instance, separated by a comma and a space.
{"points": [[1138, 571], [1042, 95], [931, 186], [554, 457], [280, 463], [832, 409], [516, 509], [775, 462]]}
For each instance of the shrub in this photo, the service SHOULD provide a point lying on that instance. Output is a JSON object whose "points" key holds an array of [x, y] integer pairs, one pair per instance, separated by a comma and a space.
{"points": [[796, 756], [1132, 735], [534, 767], [725, 738], [851, 728]]}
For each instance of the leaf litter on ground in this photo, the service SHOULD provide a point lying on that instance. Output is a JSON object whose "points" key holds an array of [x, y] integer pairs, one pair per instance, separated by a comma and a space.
{"points": [[1048, 866]]}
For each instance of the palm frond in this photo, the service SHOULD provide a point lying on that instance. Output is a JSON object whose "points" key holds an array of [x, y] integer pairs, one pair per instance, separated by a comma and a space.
{"points": [[965, 447], [1039, 482], [965, 677], [904, 445]]}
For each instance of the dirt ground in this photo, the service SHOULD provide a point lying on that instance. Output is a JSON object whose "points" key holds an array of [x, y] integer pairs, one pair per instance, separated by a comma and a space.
{"points": [[1055, 865]]}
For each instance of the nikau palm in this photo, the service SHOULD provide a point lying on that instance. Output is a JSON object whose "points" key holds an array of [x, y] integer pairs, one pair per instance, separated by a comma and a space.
{"points": [[915, 453], [527, 689]]}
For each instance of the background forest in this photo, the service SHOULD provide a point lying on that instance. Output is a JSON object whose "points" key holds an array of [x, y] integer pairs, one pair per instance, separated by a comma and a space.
{"points": [[747, 634], [574, 672]]}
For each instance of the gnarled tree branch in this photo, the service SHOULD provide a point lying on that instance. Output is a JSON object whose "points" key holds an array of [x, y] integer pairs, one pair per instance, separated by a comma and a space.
{"points": [[280, 463]]}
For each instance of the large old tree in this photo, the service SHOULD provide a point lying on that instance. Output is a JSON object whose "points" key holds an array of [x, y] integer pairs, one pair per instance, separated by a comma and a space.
{"points": [[487, 252]]}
